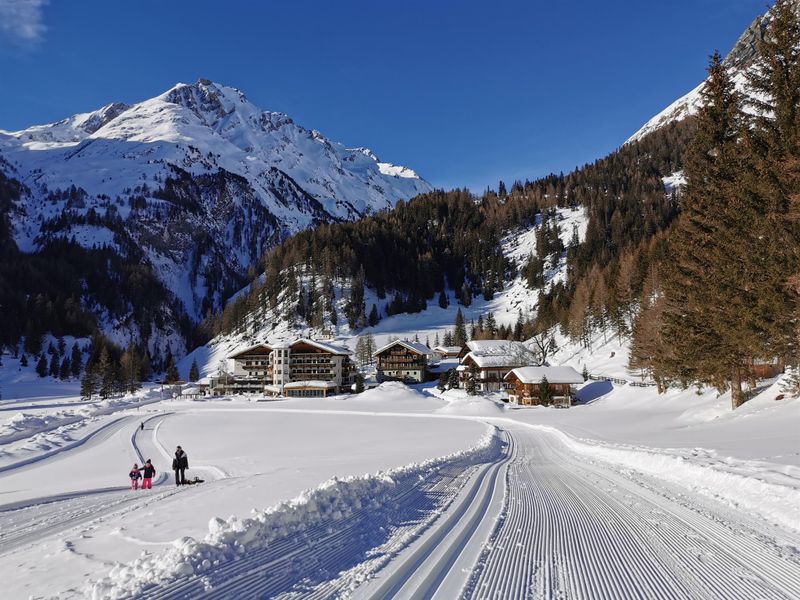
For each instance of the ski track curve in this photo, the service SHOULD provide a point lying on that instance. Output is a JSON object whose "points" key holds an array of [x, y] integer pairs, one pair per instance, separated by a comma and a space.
{"points": [[26, 522]]}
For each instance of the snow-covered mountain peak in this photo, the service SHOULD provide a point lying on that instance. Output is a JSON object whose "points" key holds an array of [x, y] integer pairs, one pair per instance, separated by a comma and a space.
{"points": [[197, 180]]}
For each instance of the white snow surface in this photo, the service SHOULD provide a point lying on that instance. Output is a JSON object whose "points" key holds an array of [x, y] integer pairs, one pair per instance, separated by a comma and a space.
{"points": [[282, 476]]}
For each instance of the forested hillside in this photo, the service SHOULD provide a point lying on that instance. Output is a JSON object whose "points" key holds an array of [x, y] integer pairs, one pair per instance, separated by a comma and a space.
{"points": [[725, 295], [448, 244]]}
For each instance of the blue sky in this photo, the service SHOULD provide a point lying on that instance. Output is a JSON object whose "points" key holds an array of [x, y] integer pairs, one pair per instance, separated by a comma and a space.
{"points": [[465, 92]]}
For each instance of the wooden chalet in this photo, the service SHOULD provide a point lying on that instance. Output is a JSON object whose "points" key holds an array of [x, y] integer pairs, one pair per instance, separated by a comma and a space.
{"points": [[526, 384], [492, 360], [403, 361]]}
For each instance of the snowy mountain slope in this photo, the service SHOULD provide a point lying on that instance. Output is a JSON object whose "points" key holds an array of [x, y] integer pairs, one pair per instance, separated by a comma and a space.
{"points": [[196, 183], [514, 299], [738, 60]]}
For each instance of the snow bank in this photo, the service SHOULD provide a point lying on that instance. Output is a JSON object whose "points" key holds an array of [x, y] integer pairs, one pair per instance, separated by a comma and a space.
{"points": [[738, 483], [460, 403], [390, 391], [229, 539]]}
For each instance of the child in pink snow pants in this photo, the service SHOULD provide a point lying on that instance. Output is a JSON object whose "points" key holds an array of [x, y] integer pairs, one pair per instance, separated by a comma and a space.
{"points": [[148, 470], [135, 476]]}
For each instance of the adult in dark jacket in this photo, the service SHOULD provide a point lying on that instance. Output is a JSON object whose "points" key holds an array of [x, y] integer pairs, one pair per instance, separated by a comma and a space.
{"points": [[179, 464]]}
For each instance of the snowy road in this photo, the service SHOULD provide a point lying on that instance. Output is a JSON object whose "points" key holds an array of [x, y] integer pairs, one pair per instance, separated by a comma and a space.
{"points": [[572, 528]]}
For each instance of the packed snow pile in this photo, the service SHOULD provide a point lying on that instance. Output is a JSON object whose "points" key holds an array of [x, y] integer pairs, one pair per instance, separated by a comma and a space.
{"points": [[390, 391], [461, 403], [23, 424], [227, 540]]}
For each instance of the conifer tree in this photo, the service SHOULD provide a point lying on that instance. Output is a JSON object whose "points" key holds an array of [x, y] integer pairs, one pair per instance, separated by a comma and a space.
{"points": [[443, 303], [772, 182], [65, 369], [89, 382], [106, 375], [466, 295], [707, 324], [491, 326], [545, 393], [41, 366], [374, 317], [452, 379], [130, 370], [76, 360], [194, 372], [172, 371], [471, 384], [459, 330], [55, 364], [359, 383]]}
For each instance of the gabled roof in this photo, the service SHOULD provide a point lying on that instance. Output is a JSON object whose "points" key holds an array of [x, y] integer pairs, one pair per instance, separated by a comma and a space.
{"points": [[493, 346], [553, 374], [324, 346], [448, 349], [498, 353], [494, 360], [413, 346], [250, 349]]}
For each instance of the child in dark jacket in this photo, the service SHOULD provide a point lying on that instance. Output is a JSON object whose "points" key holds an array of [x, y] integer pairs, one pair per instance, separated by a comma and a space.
{"points": [[148, 470], [135, 476]]}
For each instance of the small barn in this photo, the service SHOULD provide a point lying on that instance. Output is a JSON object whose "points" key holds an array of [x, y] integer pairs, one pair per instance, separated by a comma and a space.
{"points": [[531, 386]]}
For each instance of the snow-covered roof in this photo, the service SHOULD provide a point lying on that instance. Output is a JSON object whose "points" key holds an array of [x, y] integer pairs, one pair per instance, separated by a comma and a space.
{"points": [[191, 391], [448, 349], [553, 375], [413, 346], [324, 346], [492, 346], [498, 353], [312, 383]]}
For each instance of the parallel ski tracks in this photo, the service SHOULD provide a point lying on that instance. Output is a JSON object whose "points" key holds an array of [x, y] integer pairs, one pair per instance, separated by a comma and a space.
{"points": [[574, 529], [331, 560]]}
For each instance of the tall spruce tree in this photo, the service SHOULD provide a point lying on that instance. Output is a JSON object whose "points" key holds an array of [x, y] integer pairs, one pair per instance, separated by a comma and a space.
{"points": [[772, 182], [706, 325]]}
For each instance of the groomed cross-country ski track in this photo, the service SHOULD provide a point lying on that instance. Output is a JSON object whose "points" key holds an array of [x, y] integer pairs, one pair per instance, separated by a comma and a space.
{"points": [[529, 517]]}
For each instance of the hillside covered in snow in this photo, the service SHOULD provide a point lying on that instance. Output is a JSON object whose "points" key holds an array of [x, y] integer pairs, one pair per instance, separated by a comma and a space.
{"points": [[194, 185]]}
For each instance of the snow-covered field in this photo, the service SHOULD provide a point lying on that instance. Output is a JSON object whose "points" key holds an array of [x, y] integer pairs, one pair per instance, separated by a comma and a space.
{"points": [[402, 491]]}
